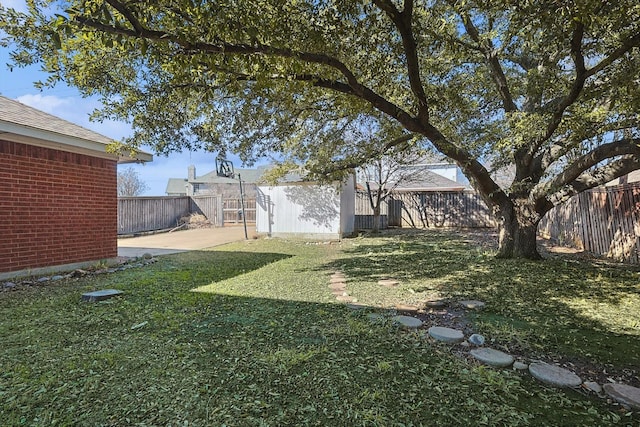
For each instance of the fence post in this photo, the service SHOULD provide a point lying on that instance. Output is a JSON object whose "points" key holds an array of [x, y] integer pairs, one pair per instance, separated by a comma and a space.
{"points": [[220, 211]]}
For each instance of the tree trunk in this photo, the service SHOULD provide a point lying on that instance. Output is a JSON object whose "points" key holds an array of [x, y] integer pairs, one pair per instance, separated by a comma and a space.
{"points": [[518, 227], [376, 219]]}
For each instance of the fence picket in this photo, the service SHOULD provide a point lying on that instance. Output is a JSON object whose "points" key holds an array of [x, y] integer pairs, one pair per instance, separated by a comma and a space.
{"points": [[604, 220]]}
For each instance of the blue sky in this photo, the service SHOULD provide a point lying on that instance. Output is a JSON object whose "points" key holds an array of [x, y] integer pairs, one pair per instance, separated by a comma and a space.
{"points": [[66, 103]]}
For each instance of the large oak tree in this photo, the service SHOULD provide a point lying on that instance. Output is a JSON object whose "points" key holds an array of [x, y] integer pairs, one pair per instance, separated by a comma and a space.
{"points": [[548, 87]]}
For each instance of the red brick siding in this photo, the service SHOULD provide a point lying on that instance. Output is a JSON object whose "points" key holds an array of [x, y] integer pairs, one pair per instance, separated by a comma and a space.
{"points": [[56, 207]]}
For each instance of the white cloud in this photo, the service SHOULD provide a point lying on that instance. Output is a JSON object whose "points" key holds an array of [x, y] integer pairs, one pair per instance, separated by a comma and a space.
{"points": [[47, 103]]}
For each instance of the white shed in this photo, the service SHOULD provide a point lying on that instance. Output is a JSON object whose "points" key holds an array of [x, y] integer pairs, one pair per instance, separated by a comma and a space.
{"points": [[306, 209]]}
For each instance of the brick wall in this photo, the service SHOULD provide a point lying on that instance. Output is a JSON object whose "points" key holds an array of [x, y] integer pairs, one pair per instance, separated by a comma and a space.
{"points": [[56, 207]]}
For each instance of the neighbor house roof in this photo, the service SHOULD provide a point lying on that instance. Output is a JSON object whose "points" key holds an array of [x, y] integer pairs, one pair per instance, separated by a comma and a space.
{"points": [[426, 180], [176, 186], [23, 124]]}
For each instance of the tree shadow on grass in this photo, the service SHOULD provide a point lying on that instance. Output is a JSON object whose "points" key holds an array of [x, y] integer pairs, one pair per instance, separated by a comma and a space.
{"points": [[163, 354], [581, 309]]}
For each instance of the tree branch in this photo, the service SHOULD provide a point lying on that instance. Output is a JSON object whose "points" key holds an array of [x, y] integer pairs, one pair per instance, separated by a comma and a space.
{"points": [[587, 181], [578, 167], [224, 48], [497, 74], [402, 21], [576, 88], [626, 46]]}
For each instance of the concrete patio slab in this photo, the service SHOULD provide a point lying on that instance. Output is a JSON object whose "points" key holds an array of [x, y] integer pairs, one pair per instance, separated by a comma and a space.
{"points": [[181, 241]]}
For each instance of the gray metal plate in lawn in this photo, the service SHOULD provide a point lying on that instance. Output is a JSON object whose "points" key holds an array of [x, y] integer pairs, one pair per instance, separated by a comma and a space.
{"points": [[100, 295]]}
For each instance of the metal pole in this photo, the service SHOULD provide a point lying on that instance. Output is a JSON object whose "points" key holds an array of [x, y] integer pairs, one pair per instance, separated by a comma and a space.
{"points": [[244, 217]]}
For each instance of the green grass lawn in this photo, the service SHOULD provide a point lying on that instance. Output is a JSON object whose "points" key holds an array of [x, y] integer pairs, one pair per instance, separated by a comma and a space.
{"points": [[250, 335]]}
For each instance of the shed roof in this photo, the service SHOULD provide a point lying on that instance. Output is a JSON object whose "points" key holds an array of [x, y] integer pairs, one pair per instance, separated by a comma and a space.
{"points": [[28, 125]]}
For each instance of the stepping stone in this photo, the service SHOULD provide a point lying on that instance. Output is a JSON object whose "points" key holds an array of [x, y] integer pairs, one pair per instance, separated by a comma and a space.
{"points": [[406, 307], [624, 394], [472, 304], [407, 321], [436, 303], [100, 295], [338, 286], [389, 283], [337, 280], [448, 335], [554, 375], [492, 357], [346, 298], [339, 293]]}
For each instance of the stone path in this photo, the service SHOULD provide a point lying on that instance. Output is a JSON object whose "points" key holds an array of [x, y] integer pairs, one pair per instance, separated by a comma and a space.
{"points": [[552, 375]]}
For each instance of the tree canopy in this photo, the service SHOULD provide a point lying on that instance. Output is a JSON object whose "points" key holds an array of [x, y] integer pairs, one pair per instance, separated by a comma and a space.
{"points": [[548, 88]]}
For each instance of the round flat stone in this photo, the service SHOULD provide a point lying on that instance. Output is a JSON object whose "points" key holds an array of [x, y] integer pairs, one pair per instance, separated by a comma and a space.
{"points": [[472, 304], [492, 357], [337, 280], [338, 286], [624, 394], [554, 375], [388, 282], [407, 321], [448, 335]]}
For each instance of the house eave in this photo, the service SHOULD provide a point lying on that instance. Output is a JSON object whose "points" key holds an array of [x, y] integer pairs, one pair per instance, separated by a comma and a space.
{"points": [[43, 138]]}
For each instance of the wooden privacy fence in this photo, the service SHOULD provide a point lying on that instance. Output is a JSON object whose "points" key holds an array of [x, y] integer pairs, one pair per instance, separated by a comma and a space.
{"points": [[232, 210], [604, 221], [428, 209], [140, 214]]}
